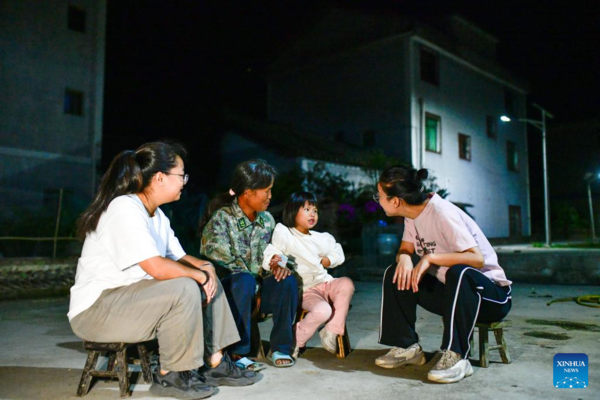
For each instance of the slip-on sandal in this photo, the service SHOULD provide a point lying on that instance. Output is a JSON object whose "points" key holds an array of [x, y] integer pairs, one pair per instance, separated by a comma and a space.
{"points": [[247, 364], [276, 356]]}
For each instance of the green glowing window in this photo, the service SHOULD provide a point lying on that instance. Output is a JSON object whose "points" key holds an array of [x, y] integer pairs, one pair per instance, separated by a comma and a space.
{"points": [[433, 133]]}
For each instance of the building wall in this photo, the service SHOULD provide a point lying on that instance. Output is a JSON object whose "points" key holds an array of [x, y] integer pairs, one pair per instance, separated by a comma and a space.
{"points": [[352, 92], [463, 99], [235, 149], [42, 147]]}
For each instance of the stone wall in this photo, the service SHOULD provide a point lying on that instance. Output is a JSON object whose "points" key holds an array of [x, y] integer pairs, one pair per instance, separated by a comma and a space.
{"points": [[36, 277], [560, 266]]}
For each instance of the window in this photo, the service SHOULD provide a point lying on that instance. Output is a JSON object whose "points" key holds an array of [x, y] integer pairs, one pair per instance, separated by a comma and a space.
{"points": [[76, 19], [369, 138], [464, 147], [509, 103], [430, 66], [73, 102], [512, 156], [491, 127], [433, 133]]}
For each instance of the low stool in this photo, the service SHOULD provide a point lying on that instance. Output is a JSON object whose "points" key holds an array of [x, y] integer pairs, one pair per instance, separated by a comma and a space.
{"points": [[117, 352], [343, 341], [485, 348]]}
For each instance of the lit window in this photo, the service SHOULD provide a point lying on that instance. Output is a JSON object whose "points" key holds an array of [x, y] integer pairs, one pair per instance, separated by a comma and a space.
{"points": [[73, 102], [491, 127], [512, 156], [433, 133], [76, 19], [464, 147], [430, 66]]}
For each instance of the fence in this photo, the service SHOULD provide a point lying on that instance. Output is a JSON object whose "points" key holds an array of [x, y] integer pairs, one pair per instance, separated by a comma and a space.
{"points": [[50, 232]]}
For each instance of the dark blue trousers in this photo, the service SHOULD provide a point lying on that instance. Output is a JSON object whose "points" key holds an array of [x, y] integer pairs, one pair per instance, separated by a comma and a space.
{"points": [[467, 296], [277, 298]]}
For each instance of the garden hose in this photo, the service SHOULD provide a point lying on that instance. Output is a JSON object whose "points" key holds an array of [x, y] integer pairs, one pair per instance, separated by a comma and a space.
{"points": [[590, 300]]}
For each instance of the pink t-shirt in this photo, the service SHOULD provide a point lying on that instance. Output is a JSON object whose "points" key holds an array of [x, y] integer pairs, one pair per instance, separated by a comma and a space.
{"points": [[444, 228]]}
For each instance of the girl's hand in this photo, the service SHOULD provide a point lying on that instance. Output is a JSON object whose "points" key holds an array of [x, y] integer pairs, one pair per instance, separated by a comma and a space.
{"points": [[279, 272], [404, 272], [325, 262], [274, 261], [418, 272]]}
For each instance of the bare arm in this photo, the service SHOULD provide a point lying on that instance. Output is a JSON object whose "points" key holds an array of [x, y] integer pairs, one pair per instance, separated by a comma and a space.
{"points": [[161, 268], [471, 257], [404, 265]]}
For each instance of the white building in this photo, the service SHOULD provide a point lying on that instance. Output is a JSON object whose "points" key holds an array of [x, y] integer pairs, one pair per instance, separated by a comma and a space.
{"points": [[431, 96], [52, 82]]}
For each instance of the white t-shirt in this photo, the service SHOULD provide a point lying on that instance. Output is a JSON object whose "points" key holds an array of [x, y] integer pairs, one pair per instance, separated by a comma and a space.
{"points": [[444, 228], [307, 251], [125, 236]]}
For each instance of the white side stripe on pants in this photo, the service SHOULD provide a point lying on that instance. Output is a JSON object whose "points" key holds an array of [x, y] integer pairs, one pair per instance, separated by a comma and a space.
{"points": [[476, 314]]}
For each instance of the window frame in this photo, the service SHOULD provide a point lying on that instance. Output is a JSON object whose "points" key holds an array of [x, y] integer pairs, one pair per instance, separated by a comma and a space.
{"points": [[509, 159], [76, 106], [76, 18], [466, 157], [433, 55], [429, 115]]}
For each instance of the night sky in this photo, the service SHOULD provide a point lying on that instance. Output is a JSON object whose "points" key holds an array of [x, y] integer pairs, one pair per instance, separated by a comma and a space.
{"points": [[171, 67]]}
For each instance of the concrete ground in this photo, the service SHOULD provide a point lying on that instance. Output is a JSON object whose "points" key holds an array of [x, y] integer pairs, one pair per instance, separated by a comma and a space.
{"points": [[40, 358]]}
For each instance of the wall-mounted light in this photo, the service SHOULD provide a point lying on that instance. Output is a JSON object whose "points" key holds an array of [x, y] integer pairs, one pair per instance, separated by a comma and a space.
{"points": [[504, 118]]}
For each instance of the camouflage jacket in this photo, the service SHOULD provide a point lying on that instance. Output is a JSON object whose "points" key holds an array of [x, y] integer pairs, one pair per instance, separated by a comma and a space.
{"points": [[231, 241]]}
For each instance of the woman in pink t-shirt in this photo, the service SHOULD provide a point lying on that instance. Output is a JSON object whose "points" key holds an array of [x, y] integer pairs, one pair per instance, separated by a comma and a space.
{"points": [[458, 276]]}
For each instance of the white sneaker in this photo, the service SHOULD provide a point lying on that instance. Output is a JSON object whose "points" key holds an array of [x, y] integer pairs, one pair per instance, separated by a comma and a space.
{"points": [[451, 368], [398, 357], [328, 340]]}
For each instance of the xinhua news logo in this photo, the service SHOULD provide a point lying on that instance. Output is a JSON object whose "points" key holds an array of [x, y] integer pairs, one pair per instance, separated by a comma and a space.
{"points": [[571, 371]]}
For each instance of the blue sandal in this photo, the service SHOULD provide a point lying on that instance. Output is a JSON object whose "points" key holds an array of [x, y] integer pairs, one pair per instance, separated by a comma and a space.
{"points": [[276, 356], [247, 364]]}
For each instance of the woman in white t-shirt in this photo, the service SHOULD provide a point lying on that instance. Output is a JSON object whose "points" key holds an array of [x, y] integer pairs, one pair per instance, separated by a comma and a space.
{"points": [[458, 276], [135, 283]]}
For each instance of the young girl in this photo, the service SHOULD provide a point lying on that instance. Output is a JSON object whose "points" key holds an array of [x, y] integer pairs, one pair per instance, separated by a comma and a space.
{"points": [[458, 276], [326, 299]]}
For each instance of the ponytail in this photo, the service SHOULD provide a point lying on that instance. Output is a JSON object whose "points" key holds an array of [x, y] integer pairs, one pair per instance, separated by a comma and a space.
{"points": [[129, 172]]}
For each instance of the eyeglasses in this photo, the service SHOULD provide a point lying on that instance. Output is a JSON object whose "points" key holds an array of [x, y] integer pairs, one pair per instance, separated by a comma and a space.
{"points": [[377, 197], [185, 177]]}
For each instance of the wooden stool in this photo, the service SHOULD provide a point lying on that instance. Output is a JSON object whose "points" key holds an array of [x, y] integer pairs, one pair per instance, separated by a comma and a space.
{"points": [[343, 341], [485, 348], [116, 352]]}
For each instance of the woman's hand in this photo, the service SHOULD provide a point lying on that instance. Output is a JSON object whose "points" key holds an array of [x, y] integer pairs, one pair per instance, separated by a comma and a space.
{"points": [[325, 262], [404, 272], [279, 272], [418, 272], [210, 287]]}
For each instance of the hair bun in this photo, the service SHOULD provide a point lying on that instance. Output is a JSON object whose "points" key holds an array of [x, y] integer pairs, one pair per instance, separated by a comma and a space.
{"points": [[422, 175]]}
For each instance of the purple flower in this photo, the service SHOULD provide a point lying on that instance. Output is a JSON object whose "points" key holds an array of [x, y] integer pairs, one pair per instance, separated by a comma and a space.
{"points": [[372, 207], [347, 210]]}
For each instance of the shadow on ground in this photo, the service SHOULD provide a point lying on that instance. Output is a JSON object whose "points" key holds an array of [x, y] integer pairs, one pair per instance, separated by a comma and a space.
{"points": [[364, 360], [26, 383]]}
